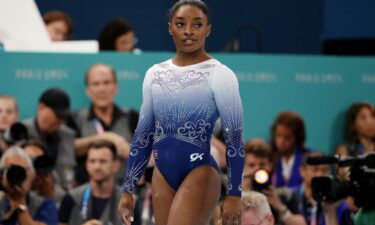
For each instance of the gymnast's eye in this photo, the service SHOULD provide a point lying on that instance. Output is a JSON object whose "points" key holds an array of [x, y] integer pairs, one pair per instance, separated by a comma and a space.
{"points": [[197, 25], [179, 24]]}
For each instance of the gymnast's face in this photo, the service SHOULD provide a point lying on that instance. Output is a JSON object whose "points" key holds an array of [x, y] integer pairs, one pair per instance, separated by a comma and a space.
{"points": [[189, 28]]}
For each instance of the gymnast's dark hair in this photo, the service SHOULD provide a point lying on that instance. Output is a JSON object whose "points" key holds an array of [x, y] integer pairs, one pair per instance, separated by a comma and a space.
{"points": [[197, 3]]}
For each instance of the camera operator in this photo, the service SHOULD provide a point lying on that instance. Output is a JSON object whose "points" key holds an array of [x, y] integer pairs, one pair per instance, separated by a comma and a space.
{"points": [[18, 205], [282, 200], [44, 183], [334, 213], [8, 116]]}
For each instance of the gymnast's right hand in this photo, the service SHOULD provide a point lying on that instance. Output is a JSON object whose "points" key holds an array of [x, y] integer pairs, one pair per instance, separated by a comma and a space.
{"points": [[126, 208]]}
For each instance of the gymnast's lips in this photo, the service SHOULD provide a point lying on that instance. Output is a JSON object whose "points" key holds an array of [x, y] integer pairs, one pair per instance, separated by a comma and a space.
{"points": [[188, 41]]}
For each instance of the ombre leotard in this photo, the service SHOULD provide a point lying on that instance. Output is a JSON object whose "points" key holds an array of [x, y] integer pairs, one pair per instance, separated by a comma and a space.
{"points": [[179, 110]]}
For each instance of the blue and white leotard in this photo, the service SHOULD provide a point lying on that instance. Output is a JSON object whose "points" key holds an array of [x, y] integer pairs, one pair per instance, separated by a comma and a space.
{"points": [[179, 110]]}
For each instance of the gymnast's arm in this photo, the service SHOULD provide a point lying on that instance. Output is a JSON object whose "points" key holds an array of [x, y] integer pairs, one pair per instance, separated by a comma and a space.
{"points": [[228, 101], [140, 152], [140, 149]]}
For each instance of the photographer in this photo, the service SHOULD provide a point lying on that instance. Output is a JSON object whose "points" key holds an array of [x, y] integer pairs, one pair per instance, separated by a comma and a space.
{"points": [[334, 213], [17, 204], [282, 200], [45, 180]]}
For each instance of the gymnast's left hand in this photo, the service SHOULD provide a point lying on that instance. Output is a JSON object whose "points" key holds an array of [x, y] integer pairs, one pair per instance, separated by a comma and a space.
{"points": [[231, 211], [126, 208]]}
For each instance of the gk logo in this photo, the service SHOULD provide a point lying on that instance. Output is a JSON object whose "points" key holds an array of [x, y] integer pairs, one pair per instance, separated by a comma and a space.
{"points": [[196, 156]]}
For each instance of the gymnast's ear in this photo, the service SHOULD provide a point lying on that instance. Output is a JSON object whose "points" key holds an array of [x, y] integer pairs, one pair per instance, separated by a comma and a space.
{"points": [[170, 29]]}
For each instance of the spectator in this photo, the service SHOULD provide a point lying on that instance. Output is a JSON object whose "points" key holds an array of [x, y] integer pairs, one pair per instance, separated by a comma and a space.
{"points": [[96, 201], [48, 128], [8, 116], [282, 200], [118, 35], [308, 207], [360, 130], [59, 25], [103, 119], [8, 112], [288, 139], [256, 209], [359, 138], [19, 205]]}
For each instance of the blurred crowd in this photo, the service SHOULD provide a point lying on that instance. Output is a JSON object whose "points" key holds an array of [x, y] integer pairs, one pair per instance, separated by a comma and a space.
{"points": [[66, 167], [117, 35]]}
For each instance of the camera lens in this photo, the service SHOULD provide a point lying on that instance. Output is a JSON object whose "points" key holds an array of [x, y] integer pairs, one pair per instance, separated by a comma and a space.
{"points": [[260, 180], [261, 176], [15, 175], [17, 132]]}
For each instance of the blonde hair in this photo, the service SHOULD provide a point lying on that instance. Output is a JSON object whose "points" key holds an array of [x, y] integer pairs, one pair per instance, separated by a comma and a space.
{"points": [[16, 151], [257, 202]]}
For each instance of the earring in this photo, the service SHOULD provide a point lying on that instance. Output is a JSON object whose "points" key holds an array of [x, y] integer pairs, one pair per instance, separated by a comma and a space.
{"points": [[171, 33], [208, 35]]}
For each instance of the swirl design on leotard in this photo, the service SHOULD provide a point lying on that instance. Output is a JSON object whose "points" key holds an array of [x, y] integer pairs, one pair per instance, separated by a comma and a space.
{"points": [[169, 81]]}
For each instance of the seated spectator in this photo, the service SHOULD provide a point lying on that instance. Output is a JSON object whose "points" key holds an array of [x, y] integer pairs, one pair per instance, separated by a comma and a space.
{"points": [[288, 139], [95, 202], [282, 200], [103, 120], [308, 207], [360, 130], [8, 116], [48, 128], [255, 209], [18, 205], [8, 112], [118, 35], [59, 25]]}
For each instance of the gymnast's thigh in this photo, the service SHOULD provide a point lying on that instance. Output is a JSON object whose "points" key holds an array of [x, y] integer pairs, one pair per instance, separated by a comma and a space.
{"points": [[196, 197], [162, 197]]}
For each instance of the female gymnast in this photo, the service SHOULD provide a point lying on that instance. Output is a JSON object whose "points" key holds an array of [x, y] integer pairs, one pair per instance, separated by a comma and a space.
{"points": [[182, 99]]}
